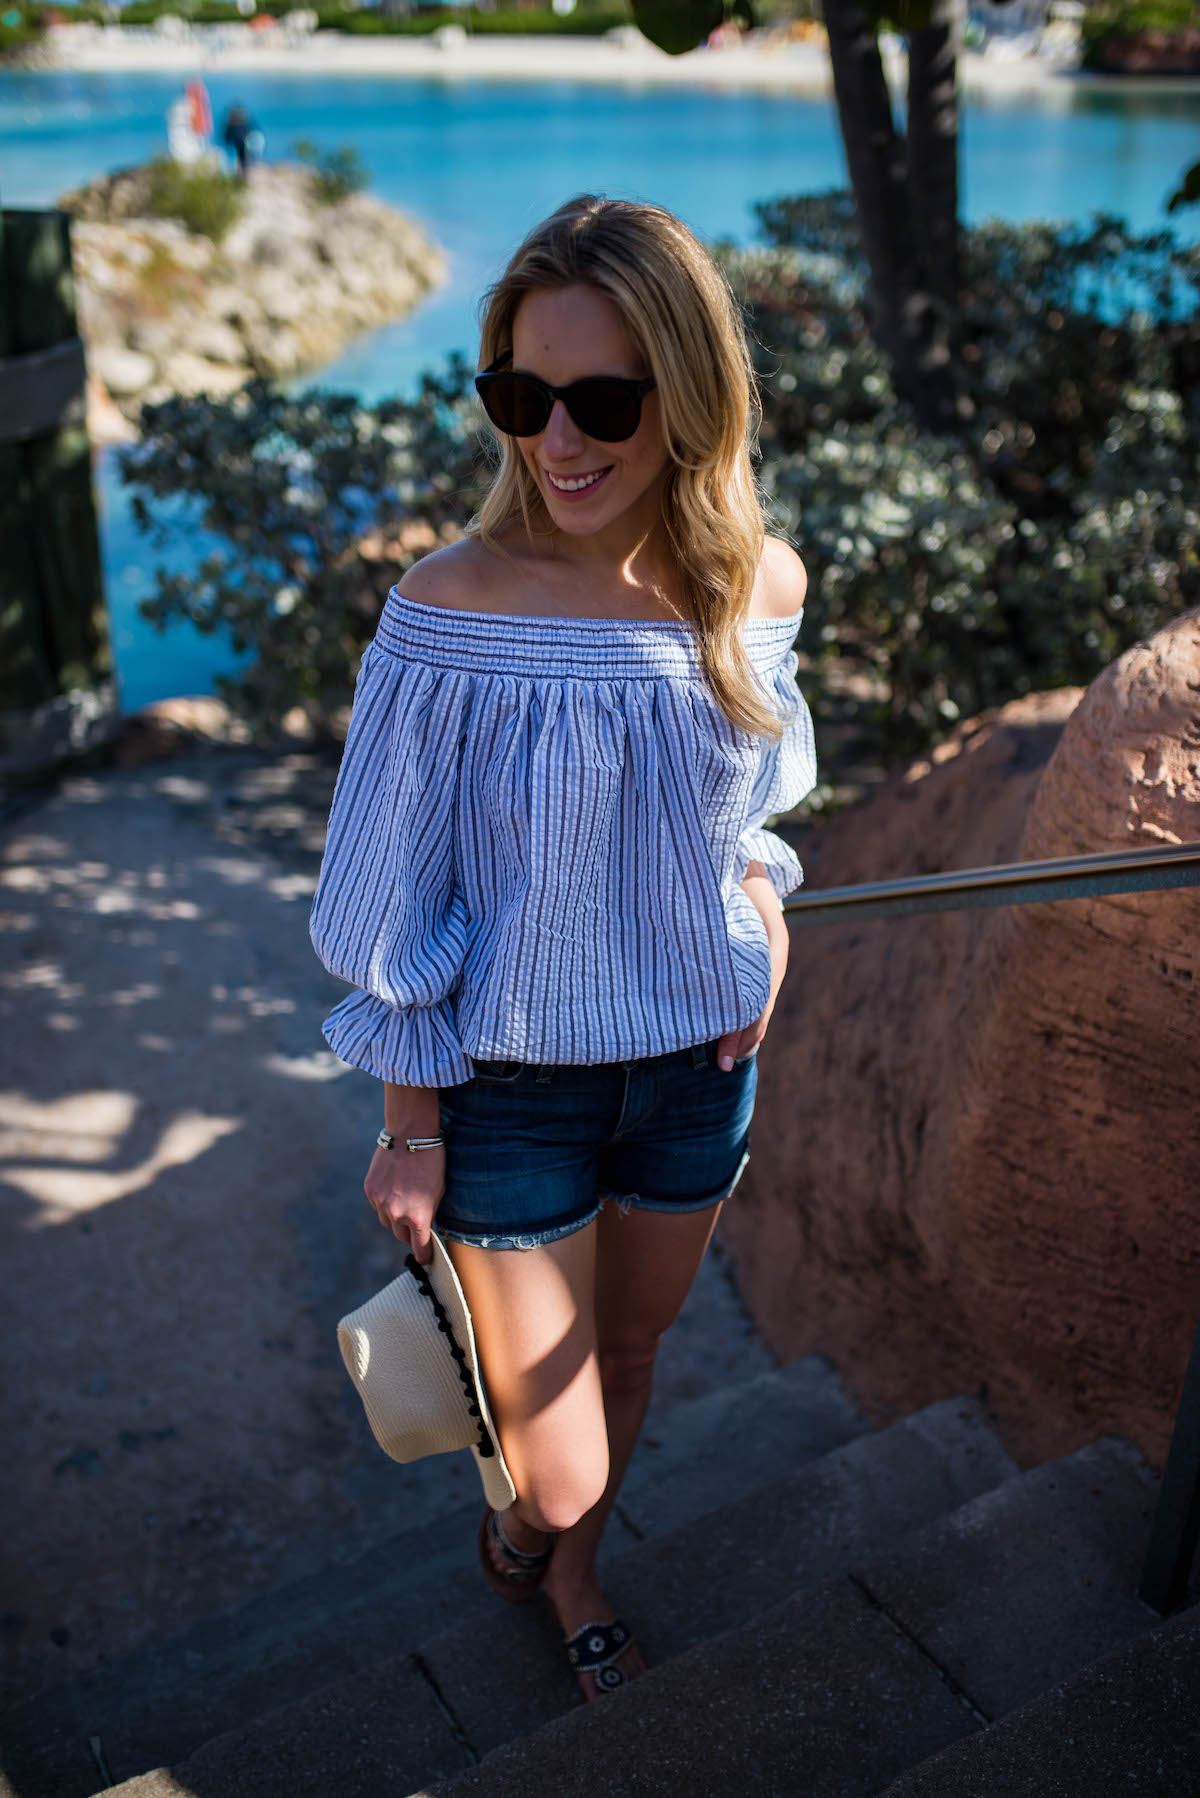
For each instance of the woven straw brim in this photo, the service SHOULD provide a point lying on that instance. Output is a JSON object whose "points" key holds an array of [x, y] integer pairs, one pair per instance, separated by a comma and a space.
{"points": [[408, 1381]]}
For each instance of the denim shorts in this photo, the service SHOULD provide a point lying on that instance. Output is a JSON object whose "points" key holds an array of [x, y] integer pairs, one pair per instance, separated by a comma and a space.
{"points": [[533, 1151]]}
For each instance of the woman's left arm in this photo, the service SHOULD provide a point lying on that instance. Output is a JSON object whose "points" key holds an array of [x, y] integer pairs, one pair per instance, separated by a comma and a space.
{"points": [[757, 885]]}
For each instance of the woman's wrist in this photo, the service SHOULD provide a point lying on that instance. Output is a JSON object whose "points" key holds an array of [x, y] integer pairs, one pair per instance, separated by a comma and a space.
{"points": [[411, 1110]]}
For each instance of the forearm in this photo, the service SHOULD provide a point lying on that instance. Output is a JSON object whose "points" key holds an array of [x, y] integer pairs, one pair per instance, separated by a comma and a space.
{"points": [[410, 1110], [766, 902]]}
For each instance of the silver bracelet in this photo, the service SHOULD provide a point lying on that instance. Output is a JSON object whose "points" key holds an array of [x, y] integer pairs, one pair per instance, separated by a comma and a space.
{"points": [[386, 1140]]}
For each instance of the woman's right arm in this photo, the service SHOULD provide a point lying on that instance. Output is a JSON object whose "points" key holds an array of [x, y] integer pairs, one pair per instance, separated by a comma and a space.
{"points": [[404, 1185]]}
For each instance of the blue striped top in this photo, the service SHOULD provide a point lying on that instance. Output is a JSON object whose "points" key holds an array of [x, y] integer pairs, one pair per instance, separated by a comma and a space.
{"points": [[536, 841]]}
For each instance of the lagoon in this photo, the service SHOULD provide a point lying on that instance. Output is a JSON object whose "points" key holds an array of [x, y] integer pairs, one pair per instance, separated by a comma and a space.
{"points": [[479, 161]]}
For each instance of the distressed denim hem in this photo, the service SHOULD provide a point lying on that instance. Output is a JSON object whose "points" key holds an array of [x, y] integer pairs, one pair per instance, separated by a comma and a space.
{"points": [[482, 1237], [627, 1201]]}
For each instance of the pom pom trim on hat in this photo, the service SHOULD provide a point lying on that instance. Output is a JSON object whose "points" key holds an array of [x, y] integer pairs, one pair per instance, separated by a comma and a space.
{"points": [[486, 1446]]}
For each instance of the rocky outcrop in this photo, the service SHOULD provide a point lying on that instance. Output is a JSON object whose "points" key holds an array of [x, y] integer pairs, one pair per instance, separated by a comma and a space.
{"points": [[164, 311], [977, 1148]]}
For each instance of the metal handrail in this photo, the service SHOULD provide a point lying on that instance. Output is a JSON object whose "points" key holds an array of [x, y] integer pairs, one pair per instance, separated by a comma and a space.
{"points": [[1175, 1529], [1014, 883]]}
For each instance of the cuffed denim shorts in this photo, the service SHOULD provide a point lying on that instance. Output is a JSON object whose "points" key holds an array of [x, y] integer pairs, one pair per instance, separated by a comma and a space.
{"points": [[533, 1151]]}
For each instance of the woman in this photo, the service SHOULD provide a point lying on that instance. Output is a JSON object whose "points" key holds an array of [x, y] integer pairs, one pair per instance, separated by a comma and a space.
{"points": [[546, 872]]}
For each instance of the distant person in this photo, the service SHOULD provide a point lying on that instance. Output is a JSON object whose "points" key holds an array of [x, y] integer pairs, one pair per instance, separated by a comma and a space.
{"points": [[200, 111], [236, 135], [183, 141]]}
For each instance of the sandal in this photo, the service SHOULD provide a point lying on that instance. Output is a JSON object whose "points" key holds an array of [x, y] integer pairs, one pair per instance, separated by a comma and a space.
{"points": [[596, 1649], [524, 1573]]}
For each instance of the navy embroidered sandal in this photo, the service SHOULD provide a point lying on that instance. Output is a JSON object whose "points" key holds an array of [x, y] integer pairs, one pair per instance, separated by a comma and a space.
{"points": [[523, 1573], [596, 1649]]}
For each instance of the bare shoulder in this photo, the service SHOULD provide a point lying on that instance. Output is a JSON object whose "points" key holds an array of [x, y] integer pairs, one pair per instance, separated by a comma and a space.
{"points": [[781, 583], [461, 576]]}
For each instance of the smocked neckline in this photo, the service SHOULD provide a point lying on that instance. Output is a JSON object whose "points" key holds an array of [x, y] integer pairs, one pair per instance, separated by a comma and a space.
{"points": [[674, 624], [530, 646]]}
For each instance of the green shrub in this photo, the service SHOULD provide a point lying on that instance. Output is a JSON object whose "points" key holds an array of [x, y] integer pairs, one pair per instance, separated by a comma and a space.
{"points": [[1128, 18], [19, 27], [336, 173], [1061, 528], [207, 201], [292, 485]]}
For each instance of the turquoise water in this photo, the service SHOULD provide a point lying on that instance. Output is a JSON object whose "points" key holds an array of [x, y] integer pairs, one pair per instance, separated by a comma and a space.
{"points": [[478, 162]]}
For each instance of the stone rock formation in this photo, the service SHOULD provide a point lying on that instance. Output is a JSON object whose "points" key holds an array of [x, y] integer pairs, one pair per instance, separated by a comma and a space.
{"points": [[165, 311], [976, 1164]]}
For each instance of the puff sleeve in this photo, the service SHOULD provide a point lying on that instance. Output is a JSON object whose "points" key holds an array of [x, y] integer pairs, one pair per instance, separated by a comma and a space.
{"points": [[787, 770], [388, 916]]}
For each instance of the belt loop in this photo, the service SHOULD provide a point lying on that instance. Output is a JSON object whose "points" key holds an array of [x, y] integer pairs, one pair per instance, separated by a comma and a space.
{"points": [[545, 1072], [699, 1055]]}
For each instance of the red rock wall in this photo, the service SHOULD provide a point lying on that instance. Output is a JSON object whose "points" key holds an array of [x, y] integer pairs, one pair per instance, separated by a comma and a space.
{"points": [[975, 1157]]}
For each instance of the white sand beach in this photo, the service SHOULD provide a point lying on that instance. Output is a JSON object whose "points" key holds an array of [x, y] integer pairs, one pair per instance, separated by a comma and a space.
{"points": [[760, 61]]}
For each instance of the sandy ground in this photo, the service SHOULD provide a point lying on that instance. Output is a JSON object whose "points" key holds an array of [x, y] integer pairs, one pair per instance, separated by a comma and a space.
{"points": [[182, 1220], [627, 58]]}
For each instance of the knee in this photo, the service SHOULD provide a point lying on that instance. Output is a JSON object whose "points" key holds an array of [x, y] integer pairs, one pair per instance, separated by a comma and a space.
{"points": [[555, 1498], [627, 1368]]}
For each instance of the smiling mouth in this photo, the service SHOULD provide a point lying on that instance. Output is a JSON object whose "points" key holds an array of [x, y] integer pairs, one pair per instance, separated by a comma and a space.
{"points": [[577, 483]]}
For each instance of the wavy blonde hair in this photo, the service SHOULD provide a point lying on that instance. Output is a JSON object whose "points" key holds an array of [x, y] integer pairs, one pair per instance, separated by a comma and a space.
{"points": [[687, 326]]}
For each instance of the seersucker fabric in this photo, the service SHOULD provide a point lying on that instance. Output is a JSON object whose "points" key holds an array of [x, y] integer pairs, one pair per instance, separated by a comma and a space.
{"points": [[537, 838]]}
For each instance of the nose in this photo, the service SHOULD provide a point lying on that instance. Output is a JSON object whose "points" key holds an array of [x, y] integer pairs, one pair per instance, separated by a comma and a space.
{"points": [[562, 436]]}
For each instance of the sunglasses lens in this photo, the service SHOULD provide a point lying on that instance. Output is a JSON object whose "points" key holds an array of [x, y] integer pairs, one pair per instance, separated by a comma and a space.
{"points": [[606, 408], [516, 404], [603, 406]]}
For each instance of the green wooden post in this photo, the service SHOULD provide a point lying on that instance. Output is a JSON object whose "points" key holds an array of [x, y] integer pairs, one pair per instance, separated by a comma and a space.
{"points": [[57, 691]]}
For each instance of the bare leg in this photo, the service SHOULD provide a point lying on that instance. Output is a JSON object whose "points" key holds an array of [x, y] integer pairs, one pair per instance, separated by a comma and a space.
{"points": [[645, 1264], [533, 1314]]}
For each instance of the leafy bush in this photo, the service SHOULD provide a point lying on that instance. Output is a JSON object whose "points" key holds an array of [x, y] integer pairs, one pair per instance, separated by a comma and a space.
{"points": [[295, 486], [1128, 18], [336, 173], [1066, 522], [207, 201]]}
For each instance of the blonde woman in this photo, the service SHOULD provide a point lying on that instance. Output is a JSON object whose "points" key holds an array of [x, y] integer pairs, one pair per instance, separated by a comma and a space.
{"points": [[546, 872]]}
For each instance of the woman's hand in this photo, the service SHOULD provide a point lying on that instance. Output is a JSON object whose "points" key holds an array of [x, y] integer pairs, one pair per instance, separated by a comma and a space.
{"points": [[736, 1044], [407, 1192], [406, 1185]]}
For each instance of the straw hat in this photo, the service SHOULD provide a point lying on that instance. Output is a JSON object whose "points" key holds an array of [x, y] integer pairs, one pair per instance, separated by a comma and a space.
{"points": [[410, 1351]]}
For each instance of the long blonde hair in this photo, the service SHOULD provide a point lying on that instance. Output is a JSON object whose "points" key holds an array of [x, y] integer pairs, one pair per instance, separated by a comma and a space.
{"points": [[686, 324]]}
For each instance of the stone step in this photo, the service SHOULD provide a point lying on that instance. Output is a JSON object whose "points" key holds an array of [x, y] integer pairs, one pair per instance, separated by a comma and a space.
{"points": [[504, 1674], [839, 1690], [1128, 1726], [160, 1702], [721, 1570]]}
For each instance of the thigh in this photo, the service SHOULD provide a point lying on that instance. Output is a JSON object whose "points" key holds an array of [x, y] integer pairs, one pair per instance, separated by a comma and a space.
{"points": [[533, 1315], [645, 1264]]}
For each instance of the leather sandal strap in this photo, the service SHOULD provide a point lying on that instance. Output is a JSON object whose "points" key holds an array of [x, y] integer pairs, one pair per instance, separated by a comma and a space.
{"points": [[524, 1562], [596, 1648]]}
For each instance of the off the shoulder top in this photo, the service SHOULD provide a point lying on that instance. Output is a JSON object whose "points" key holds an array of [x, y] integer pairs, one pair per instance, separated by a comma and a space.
{"points": [[536, 841]]}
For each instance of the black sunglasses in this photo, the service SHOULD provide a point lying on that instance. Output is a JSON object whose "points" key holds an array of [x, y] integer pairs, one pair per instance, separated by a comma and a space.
{"points": [[606, 407]]}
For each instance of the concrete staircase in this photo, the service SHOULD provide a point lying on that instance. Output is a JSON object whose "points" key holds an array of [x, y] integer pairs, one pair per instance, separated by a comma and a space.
{"points": [[827, 1611]]}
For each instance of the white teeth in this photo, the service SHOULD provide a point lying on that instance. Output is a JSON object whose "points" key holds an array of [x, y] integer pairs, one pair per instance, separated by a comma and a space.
{"points": [[589, 480]]}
